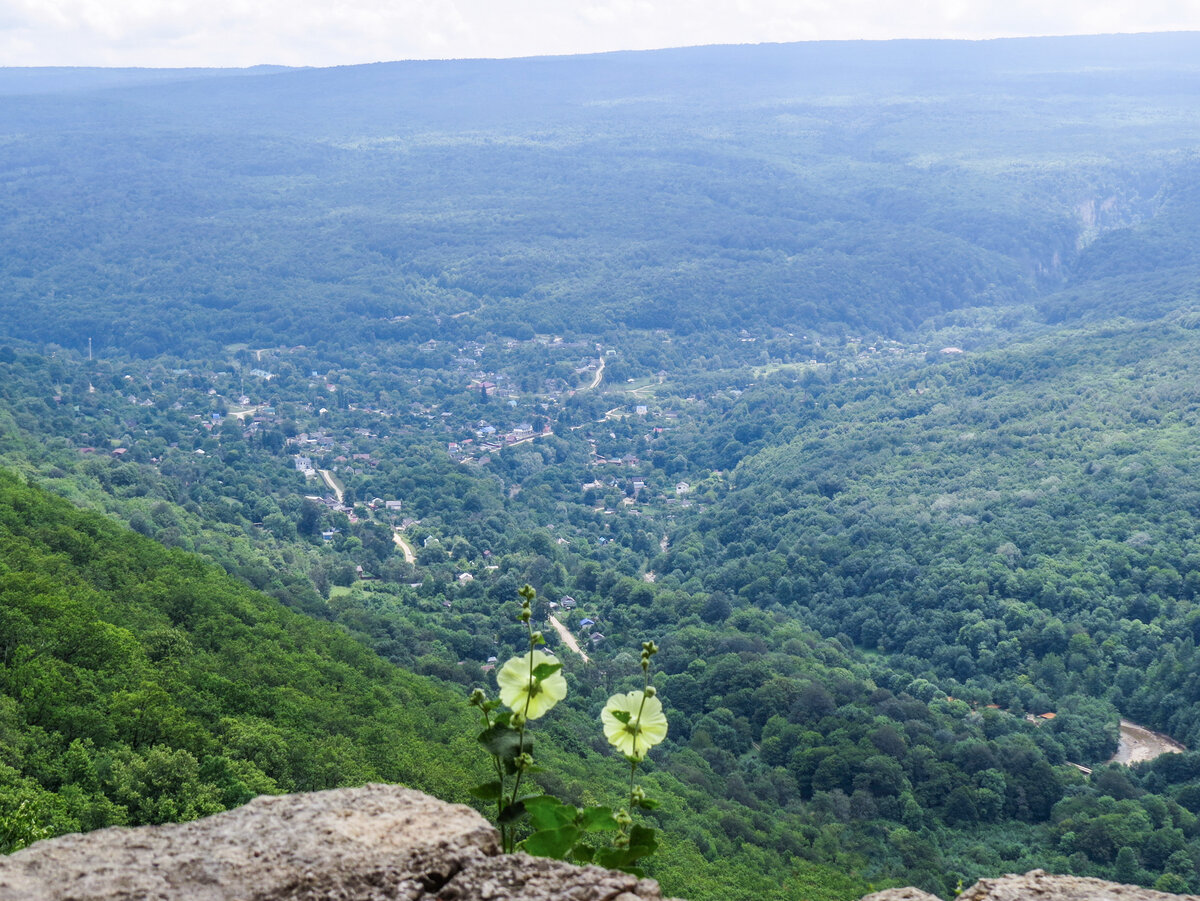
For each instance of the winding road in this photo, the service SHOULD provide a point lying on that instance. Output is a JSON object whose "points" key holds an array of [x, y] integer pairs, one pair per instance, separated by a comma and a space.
{"points": [[409, 556]]}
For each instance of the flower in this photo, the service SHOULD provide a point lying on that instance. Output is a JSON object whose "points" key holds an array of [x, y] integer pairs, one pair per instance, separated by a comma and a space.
{"points": [[524, 693], [646, 726]]}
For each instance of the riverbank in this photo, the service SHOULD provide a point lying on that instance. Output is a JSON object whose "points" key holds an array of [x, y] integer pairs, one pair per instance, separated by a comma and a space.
{"points": [[1139, 744]]}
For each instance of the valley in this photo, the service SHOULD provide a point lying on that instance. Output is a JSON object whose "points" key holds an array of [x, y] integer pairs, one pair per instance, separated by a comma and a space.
{"points": [[859, 378]]}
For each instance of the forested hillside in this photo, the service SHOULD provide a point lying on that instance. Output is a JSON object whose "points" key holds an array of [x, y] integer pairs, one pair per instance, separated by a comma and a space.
{"points": [[143, 685], [858, 377]]}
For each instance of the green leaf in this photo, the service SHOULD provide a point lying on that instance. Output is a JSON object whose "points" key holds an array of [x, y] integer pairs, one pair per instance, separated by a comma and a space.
{"points": [[621, 716], [612, 858], [546, 812], [511, 813], [618, 859], [642, 842], [598, 819], [545, 670], [551, 842], [583, 853], [488, 791], [501, 741], [648, 803]]}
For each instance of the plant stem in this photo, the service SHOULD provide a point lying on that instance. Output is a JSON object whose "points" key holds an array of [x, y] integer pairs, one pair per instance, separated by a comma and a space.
{"points": [[508, 843]]}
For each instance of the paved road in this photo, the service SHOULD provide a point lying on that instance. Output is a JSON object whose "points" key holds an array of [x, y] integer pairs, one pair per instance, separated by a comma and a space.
{"points": [[598, 376]]}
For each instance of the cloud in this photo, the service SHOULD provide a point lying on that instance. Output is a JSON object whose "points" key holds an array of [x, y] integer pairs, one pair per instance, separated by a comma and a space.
{"points": [[333, 32]]}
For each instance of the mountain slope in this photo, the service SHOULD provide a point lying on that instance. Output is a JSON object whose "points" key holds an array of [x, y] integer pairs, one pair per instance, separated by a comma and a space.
{"points": [[142, 685]]}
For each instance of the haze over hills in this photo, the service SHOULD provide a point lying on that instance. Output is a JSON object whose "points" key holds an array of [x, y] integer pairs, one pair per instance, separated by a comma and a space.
{"points": [[859, 376], [789, 185]]}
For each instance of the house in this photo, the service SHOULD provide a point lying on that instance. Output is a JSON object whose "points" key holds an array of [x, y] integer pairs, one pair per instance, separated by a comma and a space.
{"points": [[568, 602], [393, 506], [464, 578], [682, 488]]}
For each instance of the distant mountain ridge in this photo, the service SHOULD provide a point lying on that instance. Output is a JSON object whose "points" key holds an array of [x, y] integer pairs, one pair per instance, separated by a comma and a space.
{"points": [[805, 187]]}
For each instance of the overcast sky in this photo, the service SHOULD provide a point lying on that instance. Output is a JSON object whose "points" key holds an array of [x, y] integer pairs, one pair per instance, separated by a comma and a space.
{"points": [[336, 32]]}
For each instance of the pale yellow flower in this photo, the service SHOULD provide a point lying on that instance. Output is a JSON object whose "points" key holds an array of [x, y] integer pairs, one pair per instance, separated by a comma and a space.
{"points": [[635, 738], [525, 694]]}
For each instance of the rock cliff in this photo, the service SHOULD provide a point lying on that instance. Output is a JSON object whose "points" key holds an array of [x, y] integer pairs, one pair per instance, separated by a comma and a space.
{"points": [[1039, 886], [364, 844], [376, 843]]}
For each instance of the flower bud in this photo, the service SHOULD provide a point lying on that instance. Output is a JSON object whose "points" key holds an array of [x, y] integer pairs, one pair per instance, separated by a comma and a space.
{"points": [[477, 698], [651, 691], [526, 616], [537, 638]]}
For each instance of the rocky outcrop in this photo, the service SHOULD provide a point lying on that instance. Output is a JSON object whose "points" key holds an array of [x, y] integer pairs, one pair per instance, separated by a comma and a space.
{"points": [[1038, 886], [365, 844], [377, 843]]}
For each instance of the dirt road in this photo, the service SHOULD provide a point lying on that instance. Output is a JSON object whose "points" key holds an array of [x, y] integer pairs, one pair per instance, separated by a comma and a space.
{"points": [[1139, 744], [567, 638], [409, 556], [332, 483]]}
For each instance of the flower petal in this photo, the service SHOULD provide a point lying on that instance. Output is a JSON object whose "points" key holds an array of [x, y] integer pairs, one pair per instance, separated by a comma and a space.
{"points": [[523, 694], [635, 738]]}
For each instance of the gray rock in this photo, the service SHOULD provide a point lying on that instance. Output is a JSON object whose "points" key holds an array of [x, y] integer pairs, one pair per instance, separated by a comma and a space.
{"points": [[375, 843], [1038, 885]]}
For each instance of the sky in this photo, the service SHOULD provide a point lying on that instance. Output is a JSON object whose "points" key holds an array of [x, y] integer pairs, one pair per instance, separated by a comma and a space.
{"points": [[168, 33]]}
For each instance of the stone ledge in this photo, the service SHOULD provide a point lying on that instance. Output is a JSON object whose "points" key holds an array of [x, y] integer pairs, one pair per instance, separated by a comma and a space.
{"points": [[1038, 885], [375, 843]]}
